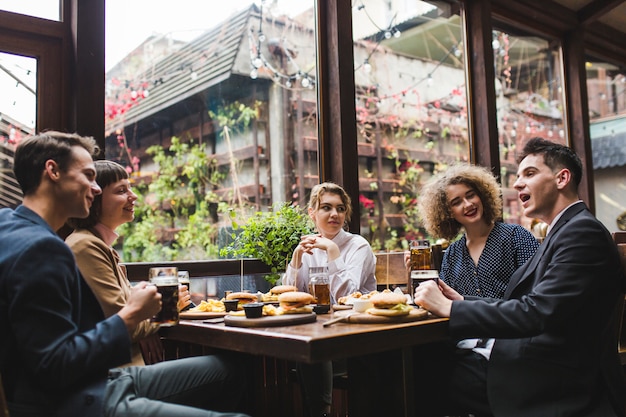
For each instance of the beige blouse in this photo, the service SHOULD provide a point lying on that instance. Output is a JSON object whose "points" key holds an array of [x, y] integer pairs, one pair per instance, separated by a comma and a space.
{"points": [[100, 266]]}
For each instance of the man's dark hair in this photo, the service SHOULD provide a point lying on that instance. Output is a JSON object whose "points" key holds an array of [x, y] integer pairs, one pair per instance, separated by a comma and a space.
{"points": [[33, 152], [107, 173], [555, 156]]}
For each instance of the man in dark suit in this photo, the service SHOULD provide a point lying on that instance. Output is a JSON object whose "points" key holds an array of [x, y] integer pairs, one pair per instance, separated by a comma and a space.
{"points": [[56, 348], [555, 352]]}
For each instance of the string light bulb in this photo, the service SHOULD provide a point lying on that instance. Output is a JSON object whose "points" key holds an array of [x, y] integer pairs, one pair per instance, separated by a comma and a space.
{"points": [[257, 62], [367, 67], [254, 74]]}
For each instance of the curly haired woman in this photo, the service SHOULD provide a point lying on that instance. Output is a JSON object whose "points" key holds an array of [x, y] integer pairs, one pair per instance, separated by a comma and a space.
{"points": [[468, 197]]}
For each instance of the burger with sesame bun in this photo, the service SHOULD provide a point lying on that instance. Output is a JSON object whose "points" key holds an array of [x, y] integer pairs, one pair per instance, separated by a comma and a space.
{"points": [[295, 302], [242, 298], [389, 304], [274, 292], [279, 289]]}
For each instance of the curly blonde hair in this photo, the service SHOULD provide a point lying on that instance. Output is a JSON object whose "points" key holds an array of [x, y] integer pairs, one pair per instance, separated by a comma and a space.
{"points": [[433, 201]]}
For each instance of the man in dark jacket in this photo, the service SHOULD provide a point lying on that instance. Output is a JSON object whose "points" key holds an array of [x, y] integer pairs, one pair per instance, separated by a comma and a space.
{"points": [[57, 348], [555, 352]]}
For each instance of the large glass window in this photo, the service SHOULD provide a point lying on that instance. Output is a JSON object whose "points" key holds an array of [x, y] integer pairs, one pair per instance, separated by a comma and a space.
{"points": [[18, 82], [530, 103], [18, 107], [214, 114], [411, 108], [46, 9], [606, 89]]}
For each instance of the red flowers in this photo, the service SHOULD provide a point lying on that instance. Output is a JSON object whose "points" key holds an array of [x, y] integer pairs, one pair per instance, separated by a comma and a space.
{"points": [[366, 202]]}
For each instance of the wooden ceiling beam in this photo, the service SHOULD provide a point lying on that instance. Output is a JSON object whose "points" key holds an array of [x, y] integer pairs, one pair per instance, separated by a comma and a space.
{"points": [[536, 16], [600, 42], [596, 9]]}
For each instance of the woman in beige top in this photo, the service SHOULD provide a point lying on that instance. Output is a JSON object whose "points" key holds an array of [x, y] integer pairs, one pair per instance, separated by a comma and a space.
{"points": [[92, 242]]}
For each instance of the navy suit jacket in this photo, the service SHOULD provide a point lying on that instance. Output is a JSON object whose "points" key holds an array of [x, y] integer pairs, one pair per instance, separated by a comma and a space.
{"points": [[555, 352], [56, 347]]}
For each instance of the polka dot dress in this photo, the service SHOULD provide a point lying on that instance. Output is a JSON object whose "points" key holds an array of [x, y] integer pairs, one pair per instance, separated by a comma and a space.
{"points": [[507, 248]]}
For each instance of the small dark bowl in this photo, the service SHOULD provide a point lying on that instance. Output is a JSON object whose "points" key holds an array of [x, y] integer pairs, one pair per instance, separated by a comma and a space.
{"points": [[230, 305], [253, 310], [321, 308]]}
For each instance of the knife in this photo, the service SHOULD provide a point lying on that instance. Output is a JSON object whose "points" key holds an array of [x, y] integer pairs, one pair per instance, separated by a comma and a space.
{"points": [[338, 319]]}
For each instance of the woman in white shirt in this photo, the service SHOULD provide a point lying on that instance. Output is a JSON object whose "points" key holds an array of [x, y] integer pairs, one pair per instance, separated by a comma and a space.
{"points": [[349, 258], [351, 267]]}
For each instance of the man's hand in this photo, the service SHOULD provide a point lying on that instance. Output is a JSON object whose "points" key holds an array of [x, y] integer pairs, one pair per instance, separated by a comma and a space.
{"points": [[144, 303], [448, 291], [430, 296]]}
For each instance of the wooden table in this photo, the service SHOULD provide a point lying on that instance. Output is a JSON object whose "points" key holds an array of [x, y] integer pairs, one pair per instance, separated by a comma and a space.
{"points": [[379, 356]]}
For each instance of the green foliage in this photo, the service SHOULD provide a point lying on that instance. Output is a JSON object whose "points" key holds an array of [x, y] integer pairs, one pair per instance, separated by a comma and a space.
{"points": [[270, 237], [176, 213], [235, 116], [173, 219]]}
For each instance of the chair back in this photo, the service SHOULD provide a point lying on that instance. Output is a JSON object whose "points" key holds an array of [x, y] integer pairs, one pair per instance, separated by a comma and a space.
{"points": [[152, 349]]}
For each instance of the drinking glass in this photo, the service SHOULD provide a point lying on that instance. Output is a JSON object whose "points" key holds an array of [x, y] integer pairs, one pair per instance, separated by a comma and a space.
{"points": [[419, 276], [166, 281], [420, 254], [319, 285]]}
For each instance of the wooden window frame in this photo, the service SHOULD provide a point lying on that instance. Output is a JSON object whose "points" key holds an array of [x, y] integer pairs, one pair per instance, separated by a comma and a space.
{"points": [[71, 57]]}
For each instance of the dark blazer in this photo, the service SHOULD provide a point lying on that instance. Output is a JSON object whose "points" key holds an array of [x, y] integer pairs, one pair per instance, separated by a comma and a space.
{"points": [[56, 347], [555, 352]]}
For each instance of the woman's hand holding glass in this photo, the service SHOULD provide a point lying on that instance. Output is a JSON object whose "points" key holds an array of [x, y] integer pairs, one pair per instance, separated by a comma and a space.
{"points": [[184, 297]]}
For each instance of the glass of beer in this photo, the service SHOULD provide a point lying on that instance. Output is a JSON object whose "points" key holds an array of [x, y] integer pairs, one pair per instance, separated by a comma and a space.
{"points": [[166, 281], [183, 278], [419, 276], [420, 254], [319, 286]]}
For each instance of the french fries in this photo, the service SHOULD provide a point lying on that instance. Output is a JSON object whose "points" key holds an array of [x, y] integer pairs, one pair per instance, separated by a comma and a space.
{"points": [[270, 310], [268, 297], [357, 294], [209, 306]]}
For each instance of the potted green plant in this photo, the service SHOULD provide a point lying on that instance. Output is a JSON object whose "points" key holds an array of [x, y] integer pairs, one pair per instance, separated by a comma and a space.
{"points": [[270, 237]]}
